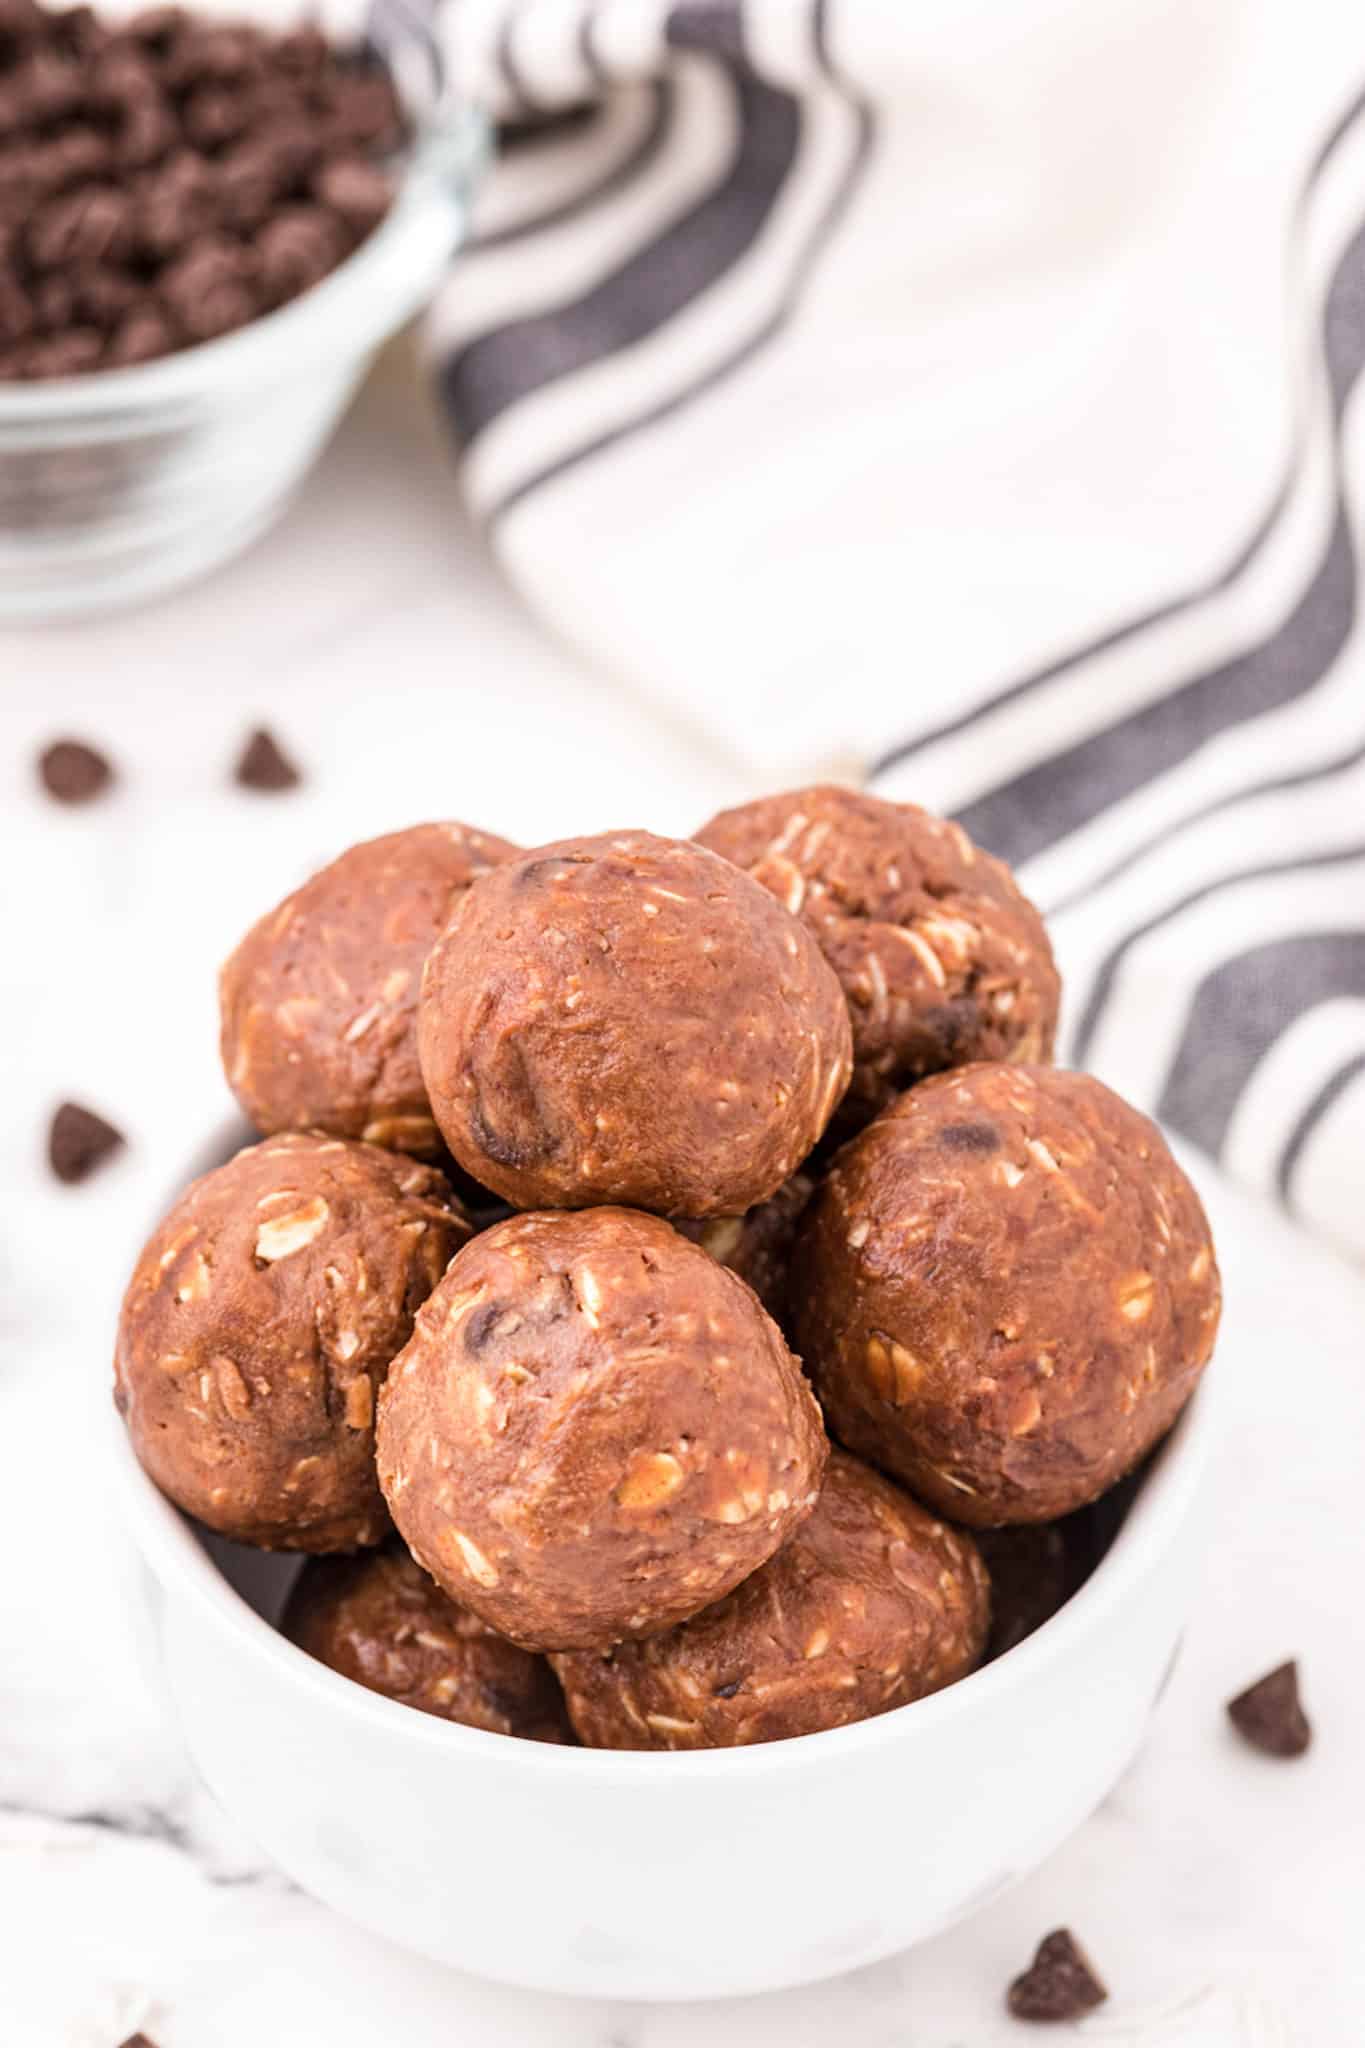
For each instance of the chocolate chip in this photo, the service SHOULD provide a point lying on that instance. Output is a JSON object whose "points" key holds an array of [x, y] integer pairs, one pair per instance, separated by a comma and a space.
{"points": [[141, 338], [363, 110], [1269, 1715], [138, 2040], [262, 765], [73, 772], [1059, 1984], [216, 114], [298, 249], [79, 1141], [210, 290], [87, 227], [65, 355], [105, 296], [726, 1692], [356, 190], [16, 311], [970, 1137], [169, 166]]}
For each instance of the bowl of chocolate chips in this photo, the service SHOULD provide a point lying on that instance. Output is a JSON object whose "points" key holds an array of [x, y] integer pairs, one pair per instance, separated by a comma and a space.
{"points": [[207, 229]]}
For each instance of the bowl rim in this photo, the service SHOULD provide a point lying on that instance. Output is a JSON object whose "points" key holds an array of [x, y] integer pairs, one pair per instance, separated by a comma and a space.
{"points": [[166, 1540], [369, 295]]}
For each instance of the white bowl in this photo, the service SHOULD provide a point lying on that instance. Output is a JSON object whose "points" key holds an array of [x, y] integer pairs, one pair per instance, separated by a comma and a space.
{"points": [[641, 1876]]}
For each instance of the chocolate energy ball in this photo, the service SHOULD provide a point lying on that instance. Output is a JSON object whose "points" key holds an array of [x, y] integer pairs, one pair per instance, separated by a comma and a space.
{"points": [[259, 1324], [872, 1603], [1007, 1292], [942, 959], [319, 1002], [758, 1245], [630, 1019], [595, 1430], [380, 1620]]}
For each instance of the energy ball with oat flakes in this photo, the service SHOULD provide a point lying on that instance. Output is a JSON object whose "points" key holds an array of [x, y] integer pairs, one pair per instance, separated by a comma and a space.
{"points": [[758, 1245], [872, 1603], [258, 1325], [319, 1001], [630, 1019], [380, 1620], [1007, 1292], [595, 1430], [942, 959]]}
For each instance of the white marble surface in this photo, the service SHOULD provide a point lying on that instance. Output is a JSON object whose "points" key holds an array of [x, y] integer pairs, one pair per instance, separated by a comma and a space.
{"points": [[1217, 1891]]}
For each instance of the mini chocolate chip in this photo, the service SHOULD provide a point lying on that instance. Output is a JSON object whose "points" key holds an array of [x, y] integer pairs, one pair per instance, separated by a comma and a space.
{"points": [[157, 27], [726, 1692], [143, 336], [210, 289], [262, 764], [78, 29], [79, 1141], [85, 227], [73, 772], [298, 249], [1269, 1715], [105, 296], [355, 189], [16, 311], [72, 159], [52, 87], [363, 110], [65, 355], [1059, 1984], [146, 134], [217, 114], [954, 1024], [302, 52], [970, 1137]]}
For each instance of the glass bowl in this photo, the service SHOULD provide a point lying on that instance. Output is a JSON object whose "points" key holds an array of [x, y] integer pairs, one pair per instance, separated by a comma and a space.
{"points": [[122, 484]]}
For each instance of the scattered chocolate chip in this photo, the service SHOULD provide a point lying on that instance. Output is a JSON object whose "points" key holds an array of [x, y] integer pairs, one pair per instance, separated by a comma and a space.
{"points": [[1059, 1984], [726, 1692], [72, 772], [79, 1141], [1269, 1715], [262, 765]]}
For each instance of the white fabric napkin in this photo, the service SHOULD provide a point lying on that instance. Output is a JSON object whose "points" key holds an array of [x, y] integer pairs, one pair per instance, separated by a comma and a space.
{"points": [[906, 392]]}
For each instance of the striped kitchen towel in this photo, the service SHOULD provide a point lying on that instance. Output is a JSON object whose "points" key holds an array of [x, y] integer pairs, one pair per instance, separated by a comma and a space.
{"points": [[904, 391]]}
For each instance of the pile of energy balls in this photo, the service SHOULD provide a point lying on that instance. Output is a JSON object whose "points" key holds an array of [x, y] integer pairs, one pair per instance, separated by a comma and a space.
{"points": [[675, 1297]]}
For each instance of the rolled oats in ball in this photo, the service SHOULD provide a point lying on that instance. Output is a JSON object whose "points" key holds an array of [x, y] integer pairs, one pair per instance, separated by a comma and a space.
{"points": [[872, 1603], [257, 1329], [1007, 1292], [378, 1619], [319, 1001], [595, 1430], [942, 958], [630, 1019]]}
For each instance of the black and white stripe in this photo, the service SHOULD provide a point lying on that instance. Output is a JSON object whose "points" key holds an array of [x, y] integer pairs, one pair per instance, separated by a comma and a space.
{"points": [[667, 250], [1185, 796]]}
